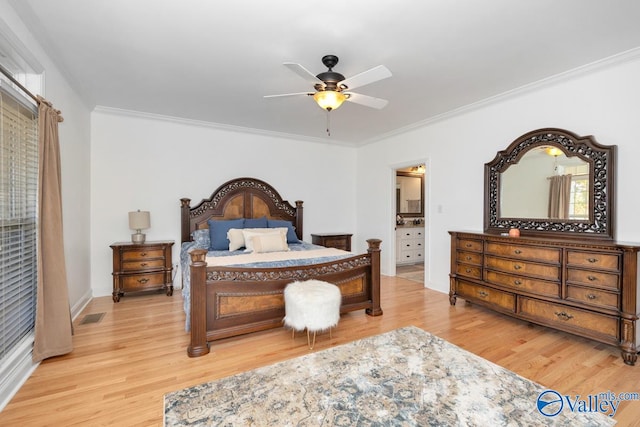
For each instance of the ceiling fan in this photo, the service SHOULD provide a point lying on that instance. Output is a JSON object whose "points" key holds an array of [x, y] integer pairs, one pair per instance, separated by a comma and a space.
{"points": [[332, 89]]}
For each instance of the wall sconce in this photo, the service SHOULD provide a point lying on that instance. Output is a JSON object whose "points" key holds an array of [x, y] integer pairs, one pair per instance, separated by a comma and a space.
{"points": [[139, 220]]}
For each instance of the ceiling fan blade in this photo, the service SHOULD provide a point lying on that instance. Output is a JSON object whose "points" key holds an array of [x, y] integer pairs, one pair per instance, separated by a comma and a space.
{"points": [[288, 94], [367, 101], [304, 73], [367, 77]]}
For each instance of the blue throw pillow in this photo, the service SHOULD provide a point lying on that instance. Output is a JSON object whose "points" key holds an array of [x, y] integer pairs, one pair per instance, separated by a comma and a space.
{"points": [[256, 222], [218, 233], [291, 231]]}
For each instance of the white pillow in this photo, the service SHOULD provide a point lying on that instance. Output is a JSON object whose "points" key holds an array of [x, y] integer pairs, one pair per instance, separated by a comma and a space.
{"points": [[270, 242], [236, 236], [250, 233], [236, 239]]}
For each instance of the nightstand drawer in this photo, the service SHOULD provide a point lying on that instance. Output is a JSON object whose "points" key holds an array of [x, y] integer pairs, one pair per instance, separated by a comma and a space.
{"points": [[137, 282], [137, 254], [143, 264]]}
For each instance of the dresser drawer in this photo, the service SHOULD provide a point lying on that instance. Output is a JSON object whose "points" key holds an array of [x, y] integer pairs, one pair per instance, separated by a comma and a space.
{"points": [[140, 265], [469, 257], [519, 283], [593, 260], [470, 245], [468, 270], [593, 278], [569, 318], [139, 254], [532, 253], [541, 271], [594, 297], [505, 300], [137, 282]]}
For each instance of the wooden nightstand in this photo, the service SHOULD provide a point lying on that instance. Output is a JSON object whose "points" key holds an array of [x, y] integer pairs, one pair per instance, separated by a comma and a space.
{"points": [[332, 240], [142, 267]]}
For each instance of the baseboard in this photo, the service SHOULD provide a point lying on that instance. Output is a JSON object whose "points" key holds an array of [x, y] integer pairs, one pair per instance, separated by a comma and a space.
{"points": [[15, 370]]}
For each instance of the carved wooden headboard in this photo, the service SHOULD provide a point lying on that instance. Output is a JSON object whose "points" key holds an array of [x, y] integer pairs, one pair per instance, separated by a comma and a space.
{"points": [[239, 198]]}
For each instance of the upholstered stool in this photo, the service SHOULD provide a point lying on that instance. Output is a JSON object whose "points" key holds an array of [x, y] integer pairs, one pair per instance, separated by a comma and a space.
{"points": [[313, 305]]}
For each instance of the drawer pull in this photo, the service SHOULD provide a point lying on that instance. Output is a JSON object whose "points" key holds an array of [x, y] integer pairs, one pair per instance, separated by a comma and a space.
{"points": [[592, 278], [592, 260], [517, 267], [468, 258], [483, 294], [143, 280], [591, 296], [564, 316], [468, 245], [517, 251], [143, 254], [468, 270], [517, 282], [143, 264]]}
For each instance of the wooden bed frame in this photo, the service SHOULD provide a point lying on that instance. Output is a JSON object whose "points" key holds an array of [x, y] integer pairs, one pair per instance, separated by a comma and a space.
{"points": [[230, 301]]}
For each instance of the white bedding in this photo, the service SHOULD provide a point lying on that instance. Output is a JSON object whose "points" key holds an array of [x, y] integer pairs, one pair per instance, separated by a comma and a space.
{"points": [[251, 258]]}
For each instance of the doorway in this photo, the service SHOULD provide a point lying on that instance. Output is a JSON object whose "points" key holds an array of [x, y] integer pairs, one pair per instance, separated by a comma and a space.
{"points": [[410, 224]]}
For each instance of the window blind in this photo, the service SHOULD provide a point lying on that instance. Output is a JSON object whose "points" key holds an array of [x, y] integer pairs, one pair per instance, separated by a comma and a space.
{"points": [[18, 215]]}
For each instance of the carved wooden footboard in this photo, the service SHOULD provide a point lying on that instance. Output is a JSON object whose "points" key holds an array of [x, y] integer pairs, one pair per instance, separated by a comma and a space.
{"points": [[230, 301]]}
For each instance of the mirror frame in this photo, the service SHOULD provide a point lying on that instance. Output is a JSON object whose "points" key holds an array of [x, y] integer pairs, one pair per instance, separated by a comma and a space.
{"points": [[601, 160], [413, 214]]}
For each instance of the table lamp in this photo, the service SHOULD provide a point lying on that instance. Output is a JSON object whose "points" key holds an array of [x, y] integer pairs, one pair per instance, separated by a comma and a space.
{"points": [[139, 220]]}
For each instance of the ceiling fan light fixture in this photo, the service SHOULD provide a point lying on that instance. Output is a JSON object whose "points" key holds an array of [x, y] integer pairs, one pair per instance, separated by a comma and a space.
{"points": [[329, 99]]}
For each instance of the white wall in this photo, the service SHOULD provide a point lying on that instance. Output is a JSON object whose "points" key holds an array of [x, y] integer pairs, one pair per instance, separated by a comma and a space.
{"points": [[149, 163], [74, 135], [603, 103]]}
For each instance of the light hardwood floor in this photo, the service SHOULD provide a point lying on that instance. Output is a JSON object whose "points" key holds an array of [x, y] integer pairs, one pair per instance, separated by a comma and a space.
{"points": [[122, 366]]}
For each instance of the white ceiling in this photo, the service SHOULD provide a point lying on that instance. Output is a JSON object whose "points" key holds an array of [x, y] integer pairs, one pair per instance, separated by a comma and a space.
{"points": [[213, 61]]}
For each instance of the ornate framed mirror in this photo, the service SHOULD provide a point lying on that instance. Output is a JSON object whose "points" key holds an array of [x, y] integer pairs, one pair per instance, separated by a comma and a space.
{"points": [[552, 182]]}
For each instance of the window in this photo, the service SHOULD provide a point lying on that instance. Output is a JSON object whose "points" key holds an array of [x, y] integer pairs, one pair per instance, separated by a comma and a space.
{"points": [[579, 199], [18, 203]]}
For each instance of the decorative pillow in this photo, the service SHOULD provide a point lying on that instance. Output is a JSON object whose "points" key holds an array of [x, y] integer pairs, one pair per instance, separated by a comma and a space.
{"points": [[269, 243], [236, 236], [256, 222], [236, 239], [291, 231], [201, 238], [218, 233], [249, 234]]}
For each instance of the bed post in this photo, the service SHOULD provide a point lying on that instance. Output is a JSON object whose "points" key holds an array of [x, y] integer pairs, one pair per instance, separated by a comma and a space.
{"points": [[298, 224], [185, 234], [198, 345], [374, 251]]}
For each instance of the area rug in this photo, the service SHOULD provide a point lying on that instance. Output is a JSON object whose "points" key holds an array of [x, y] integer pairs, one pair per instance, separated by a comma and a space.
{"points": [[406, 377]]}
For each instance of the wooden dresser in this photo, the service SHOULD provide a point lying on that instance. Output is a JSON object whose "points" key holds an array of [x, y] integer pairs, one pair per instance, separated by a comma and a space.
{"points": [[142, 267], [585, 287]]}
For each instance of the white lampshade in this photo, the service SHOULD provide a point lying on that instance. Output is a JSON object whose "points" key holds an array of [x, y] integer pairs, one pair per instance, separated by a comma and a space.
{"points": [[139, 220]]}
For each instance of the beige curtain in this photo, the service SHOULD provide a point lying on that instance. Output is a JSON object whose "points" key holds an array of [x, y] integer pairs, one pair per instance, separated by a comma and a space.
{"points": [[559, 196], [53, 327]]}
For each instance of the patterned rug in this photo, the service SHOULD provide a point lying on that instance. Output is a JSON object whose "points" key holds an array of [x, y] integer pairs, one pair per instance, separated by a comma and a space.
{"points": [[405, 377]]}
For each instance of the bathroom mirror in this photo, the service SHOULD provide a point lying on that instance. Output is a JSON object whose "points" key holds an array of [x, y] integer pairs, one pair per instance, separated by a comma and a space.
{"points": [[552, 181], [409, 194]]}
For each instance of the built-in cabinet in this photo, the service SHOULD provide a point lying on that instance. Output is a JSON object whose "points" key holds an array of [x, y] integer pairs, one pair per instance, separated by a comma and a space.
{"points": [[410, 244], [585, 287]]}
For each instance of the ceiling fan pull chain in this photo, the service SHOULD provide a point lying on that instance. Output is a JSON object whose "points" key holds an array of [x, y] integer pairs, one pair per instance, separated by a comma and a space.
{"points": [[328, 124]]}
